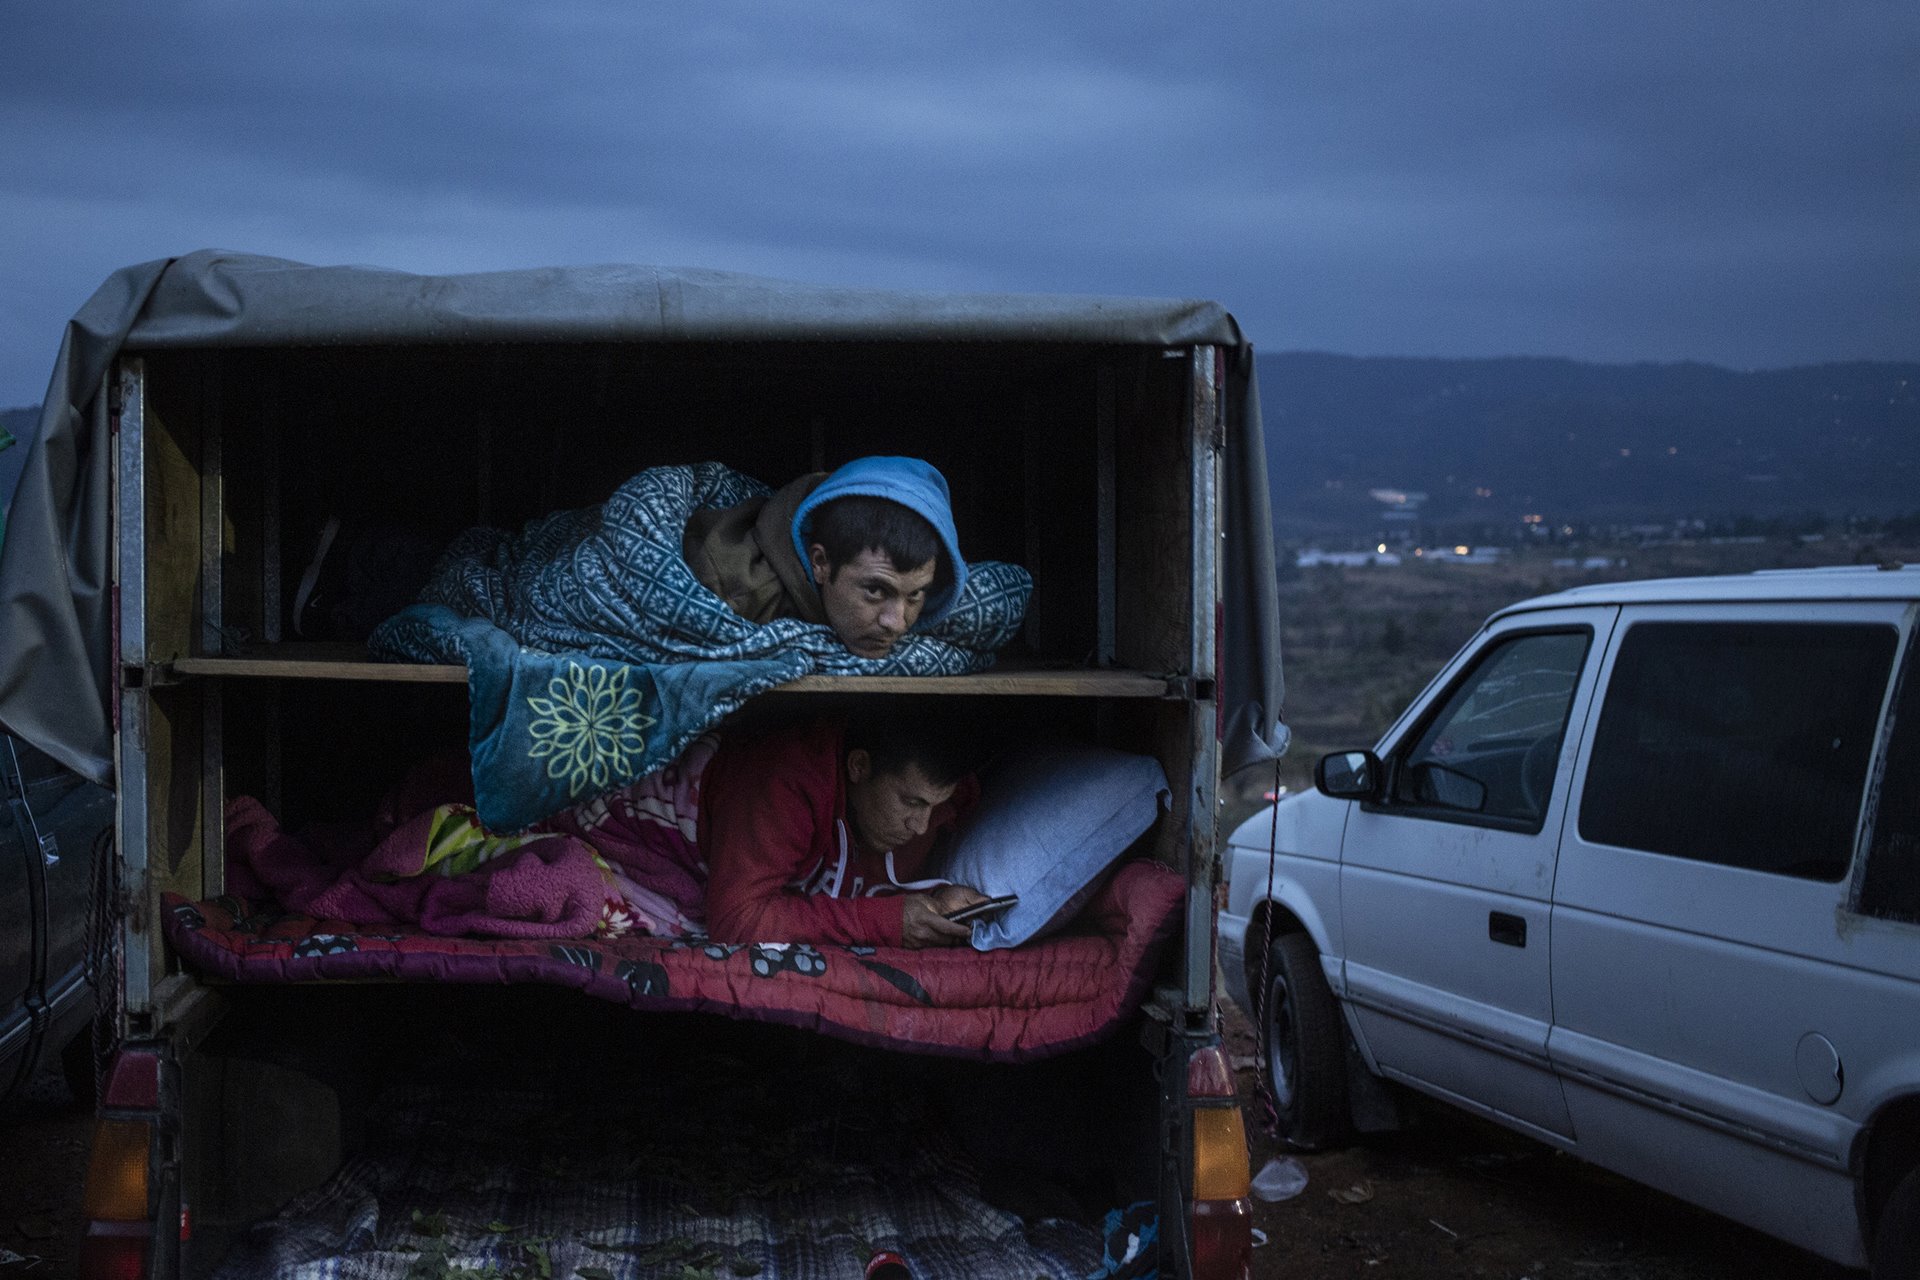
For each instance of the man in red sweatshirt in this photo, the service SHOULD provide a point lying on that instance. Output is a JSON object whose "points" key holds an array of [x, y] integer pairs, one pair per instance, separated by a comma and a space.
{"points": [[824, 833]]}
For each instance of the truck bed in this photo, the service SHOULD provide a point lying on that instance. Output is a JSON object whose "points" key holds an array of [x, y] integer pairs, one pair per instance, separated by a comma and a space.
{"points": [[1034, 1001]]}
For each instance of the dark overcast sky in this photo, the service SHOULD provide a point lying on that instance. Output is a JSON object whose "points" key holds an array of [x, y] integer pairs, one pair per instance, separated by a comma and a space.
{"points": [[1735, 182]]}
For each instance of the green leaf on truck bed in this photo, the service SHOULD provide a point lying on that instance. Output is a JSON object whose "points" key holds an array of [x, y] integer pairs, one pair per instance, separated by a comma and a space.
{"points": [[431, 1264]]}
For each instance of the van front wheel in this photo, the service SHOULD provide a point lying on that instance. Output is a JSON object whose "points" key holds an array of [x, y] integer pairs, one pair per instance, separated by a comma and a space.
{"points": [[1306, 1064]]}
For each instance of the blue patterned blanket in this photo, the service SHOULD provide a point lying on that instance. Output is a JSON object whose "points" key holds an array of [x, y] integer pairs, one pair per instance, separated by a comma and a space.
{"points": [[594, 655]]}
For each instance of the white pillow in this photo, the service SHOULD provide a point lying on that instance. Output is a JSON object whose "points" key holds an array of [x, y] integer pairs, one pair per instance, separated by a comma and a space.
{"points": [[1050, 820]]}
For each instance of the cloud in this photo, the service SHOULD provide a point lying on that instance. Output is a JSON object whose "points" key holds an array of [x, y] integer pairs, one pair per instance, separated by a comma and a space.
{"points": [[1609, 179]]}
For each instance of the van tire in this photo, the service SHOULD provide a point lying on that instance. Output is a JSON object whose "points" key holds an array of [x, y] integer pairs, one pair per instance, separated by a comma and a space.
{"points": [[1896, 1241], [1305, 1054]]}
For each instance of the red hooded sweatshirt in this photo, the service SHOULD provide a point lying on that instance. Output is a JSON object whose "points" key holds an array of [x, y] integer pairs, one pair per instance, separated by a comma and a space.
{"points": [[782, 862]]}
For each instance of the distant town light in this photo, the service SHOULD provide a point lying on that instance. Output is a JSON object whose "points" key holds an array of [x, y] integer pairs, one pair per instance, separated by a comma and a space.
{"points": [[1532, 519], [1393, 497], [1483, 492], [1626, 453], [1461, 551], [1382, 548]]}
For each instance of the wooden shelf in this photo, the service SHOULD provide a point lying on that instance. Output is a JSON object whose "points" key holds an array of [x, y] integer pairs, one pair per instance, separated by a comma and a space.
{"points": [[1003, 682], [319, 660]]}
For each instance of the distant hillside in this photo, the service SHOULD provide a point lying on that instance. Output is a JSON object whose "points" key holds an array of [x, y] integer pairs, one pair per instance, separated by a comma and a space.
{"points": [[1489, 441], [1492, 440]]}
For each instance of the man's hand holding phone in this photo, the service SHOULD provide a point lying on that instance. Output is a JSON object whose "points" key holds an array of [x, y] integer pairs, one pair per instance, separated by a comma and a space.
{"points": [[984, 908], [923, 916], [942, 917]]}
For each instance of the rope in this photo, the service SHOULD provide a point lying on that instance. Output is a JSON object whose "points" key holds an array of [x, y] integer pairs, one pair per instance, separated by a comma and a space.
{"points": [[103, 962]]}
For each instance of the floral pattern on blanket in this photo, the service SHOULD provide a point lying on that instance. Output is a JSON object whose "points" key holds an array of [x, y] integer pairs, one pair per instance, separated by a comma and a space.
{"points": [[589, 727]]}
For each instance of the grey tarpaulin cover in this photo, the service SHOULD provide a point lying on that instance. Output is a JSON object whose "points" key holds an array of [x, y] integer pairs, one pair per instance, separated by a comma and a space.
{"points": [[56, 616]]}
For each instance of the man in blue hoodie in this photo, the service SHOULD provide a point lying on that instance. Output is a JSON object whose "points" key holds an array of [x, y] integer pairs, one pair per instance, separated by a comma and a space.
{"points": [[869, 550]]}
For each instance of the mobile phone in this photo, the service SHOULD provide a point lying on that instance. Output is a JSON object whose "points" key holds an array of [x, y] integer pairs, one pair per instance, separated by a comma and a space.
{"points": [[992, 906]]}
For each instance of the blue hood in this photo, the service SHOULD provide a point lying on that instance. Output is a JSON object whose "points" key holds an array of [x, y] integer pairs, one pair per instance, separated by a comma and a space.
{"points": [[913, 484]]}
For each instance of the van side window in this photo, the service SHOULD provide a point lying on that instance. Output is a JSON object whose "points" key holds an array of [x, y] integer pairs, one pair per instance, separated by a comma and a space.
{"points": [[1891, 886], [1492, 748], [1744, 744]]}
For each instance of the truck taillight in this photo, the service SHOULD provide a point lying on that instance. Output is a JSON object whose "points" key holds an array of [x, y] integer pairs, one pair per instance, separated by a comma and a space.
{"points": [[133, 1084], [1219, 1154], [1222, 1238], [113, 1257], [117, 1171], [117, 1198], [1221, 1226]]}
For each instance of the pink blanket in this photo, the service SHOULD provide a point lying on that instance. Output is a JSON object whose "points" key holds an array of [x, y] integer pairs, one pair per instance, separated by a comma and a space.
{"points": [[628, 862], [549, 888]]}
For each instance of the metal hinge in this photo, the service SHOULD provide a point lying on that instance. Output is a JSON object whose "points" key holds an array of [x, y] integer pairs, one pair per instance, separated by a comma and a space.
{"points": [[130, 909]]}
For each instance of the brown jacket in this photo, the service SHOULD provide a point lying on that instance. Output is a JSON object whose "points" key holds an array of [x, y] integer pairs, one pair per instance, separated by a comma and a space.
{"points": [[744, 554]]}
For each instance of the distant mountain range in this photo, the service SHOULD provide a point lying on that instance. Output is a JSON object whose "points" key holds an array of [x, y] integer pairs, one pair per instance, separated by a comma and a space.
{"points": [[1492, 441], [1489, 442]]}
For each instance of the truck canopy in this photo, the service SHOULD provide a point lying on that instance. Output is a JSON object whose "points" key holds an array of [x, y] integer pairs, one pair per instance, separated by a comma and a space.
{"points": [[56, 577]]}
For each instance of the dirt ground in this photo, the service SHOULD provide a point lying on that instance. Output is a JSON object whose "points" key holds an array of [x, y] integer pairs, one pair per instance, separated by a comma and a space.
{"points": [[1453, 1196], [44, 1137]]}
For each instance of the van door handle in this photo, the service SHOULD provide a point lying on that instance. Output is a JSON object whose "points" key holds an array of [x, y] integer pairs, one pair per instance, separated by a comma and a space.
{"points": [[1507, 930]]}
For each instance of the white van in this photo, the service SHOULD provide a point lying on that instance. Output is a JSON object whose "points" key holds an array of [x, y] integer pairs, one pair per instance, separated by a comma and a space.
{"points": [[1637, 875]]}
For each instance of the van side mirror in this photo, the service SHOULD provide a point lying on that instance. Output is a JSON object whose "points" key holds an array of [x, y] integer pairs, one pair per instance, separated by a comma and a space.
{"points": [[1349, 775]]}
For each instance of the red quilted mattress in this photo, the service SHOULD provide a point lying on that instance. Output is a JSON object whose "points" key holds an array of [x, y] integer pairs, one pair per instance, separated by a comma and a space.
{"points": [[1034, 1001]]}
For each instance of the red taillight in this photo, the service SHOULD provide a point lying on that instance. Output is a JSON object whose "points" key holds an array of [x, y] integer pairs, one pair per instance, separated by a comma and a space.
{"points": [[113, 1257], [1210, 1075], [1222, 1239], [134, 1082]]}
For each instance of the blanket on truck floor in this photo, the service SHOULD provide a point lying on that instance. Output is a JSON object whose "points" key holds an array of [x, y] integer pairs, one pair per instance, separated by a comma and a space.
{"points": [[594, 656], [714, 1168], [1030, 1002]]}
